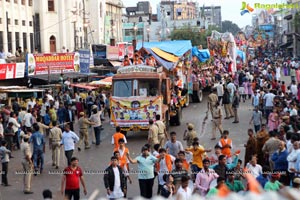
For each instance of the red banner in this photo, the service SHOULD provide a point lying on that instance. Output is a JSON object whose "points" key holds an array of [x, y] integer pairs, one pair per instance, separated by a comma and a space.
{"points": [[130, 51], [12, 70], [121, 51], [52, 63]]}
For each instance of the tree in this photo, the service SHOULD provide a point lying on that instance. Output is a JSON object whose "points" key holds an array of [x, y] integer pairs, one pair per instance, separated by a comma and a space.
{"points": [[197, 37], [228, 26]]}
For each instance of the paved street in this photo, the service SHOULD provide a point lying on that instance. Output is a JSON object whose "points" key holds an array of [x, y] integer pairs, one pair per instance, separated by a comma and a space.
{"points": [[97, 159]]}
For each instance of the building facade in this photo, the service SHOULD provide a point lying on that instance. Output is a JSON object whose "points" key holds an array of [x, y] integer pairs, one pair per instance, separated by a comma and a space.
{"points": [[213, 15], [113, 21], [141, 13], [59, 25], [178, 10], [16, 25]]}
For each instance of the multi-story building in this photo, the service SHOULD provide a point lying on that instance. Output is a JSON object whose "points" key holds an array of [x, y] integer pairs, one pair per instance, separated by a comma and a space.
{"points": [[16, 25], [113, 21], [141, 13], [213, 15], [178, 10], [291, 43], [76, 24], [59, 25]]}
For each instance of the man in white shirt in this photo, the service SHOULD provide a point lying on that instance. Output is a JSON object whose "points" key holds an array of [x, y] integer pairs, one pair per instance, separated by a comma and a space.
{"points": [[254, 168], [268, 102], [114, 180], [220, 91], [184, 192], [69, 138], [31, 103], [15, 127], [294, 89], [27, 120], [231, 87], [292, 157]]}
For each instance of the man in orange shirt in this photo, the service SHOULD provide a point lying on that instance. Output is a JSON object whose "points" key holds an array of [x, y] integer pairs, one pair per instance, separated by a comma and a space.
{"points": [[226, 145], [151, 61], [116, 136], [126, 61], [185, 163], [164, 166], [137, 60]]}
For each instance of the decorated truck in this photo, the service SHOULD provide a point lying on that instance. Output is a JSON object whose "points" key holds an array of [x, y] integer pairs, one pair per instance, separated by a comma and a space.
{"points": [[139, 93]]}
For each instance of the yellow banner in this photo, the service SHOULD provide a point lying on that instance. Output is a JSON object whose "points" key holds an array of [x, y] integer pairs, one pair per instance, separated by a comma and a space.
{"points": [[130, 111]]}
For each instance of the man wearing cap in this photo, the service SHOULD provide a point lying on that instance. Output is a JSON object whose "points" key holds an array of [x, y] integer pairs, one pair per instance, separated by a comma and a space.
{"points": [[189, 135], [83, 124], [296, 183], [27, 164], [95, 118], [55, 136]]}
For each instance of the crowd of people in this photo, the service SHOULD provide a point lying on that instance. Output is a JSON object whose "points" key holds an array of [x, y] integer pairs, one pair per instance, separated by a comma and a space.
{"points": [[272, 154]]}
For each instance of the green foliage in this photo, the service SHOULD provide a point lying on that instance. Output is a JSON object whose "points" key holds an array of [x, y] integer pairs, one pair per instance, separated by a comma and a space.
{"points": [[228, 26], [196, 36]]}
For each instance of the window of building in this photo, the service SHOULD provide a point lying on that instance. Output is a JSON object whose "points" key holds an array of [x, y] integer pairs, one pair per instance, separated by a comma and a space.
{"points": [[1, 39], [23, 23], [16, 22], [8, 21], [17, 38], [168, 13], [9, 42], [23, 2], [24, 41], [30, 2], [7, 0], [15, 1], [100, 10], [30, 23], [0, 20], [50, 5], [31, 42]]}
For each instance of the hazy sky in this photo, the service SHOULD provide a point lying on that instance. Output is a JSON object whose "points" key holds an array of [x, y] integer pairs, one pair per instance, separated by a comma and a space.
{"points": [[230, 8]]}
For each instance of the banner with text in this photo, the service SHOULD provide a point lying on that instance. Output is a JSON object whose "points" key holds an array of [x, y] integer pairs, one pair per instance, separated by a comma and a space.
{"points": [[84, 61], [55, 63], [127, 111], [12, 70]]}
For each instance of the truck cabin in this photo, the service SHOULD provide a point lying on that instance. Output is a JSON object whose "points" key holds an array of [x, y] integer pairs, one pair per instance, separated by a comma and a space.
{"points": [[140, 84]]}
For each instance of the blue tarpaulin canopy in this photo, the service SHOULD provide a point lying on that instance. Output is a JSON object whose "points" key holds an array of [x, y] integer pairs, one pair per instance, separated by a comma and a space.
{"points": [[177, 48], [202, 54]]}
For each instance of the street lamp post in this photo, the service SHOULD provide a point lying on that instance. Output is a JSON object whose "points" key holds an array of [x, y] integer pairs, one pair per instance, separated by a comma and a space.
{"points": [[148, 34], [135, 28]]}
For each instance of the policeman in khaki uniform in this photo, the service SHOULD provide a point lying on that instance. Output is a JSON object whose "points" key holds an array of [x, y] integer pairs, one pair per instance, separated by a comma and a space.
{"points": [[217, 120], [84, 123], [27, 164], [55, 136], [212, 100], [162, 131]]}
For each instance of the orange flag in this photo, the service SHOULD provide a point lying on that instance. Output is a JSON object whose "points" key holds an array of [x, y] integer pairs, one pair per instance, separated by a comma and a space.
{"points": [[223, 191], [253, 185]]}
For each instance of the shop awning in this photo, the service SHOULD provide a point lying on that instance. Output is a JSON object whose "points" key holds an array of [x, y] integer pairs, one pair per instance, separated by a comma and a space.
{"points": [[83, 86], [165, 55]]}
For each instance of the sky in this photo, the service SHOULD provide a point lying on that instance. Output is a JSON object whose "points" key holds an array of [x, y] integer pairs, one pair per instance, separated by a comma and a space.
{"points": [[230, 8]]}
